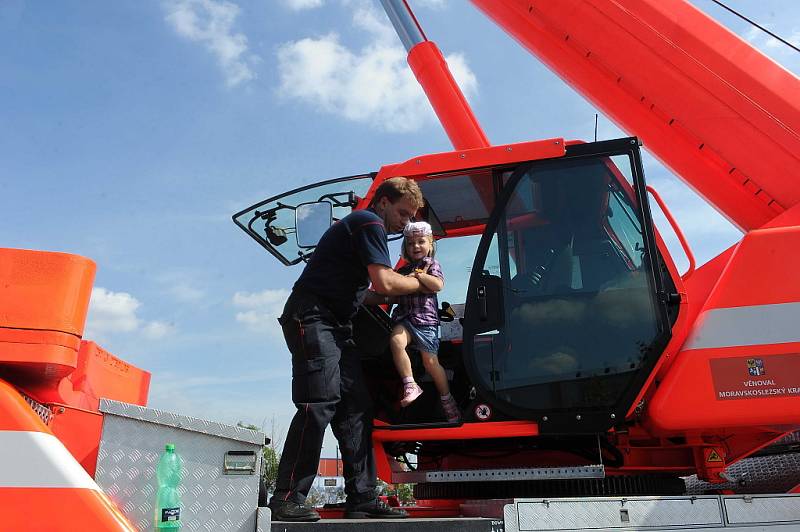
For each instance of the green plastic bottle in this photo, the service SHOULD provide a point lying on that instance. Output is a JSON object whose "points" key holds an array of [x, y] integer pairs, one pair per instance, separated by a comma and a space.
{"points": [[168, 501]]}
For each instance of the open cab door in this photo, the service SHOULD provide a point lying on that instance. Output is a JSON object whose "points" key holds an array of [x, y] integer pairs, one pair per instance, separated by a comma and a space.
{"points": [[289, 225]]}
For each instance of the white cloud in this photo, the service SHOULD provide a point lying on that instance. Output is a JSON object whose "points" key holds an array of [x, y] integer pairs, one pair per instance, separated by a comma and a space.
{"points": [[766, 43], [373, 85], [111, 312], [297, 5], [374, 22], [753, 34], [116, 312], [157, 329], [260, 310], [761, 39], [210, 22], [793, 38]]}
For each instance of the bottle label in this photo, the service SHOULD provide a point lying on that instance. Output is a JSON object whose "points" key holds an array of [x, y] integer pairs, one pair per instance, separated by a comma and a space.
{"points": [[170, 514]]}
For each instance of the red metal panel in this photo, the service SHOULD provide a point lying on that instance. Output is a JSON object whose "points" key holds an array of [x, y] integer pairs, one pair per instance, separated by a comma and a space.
{"points": [[763, 270], [44, 291], [100, 374], [687, 399], [496, 429], [717, 112], [49, 508], [694, 295], [748, 314], [79, 430], [44, 298], [37, 360], [46, 358], [383, 462], [16, 414], [36, 338], [787, 218], [329, 467], [424, 166], [465, 159], [60, 510]]}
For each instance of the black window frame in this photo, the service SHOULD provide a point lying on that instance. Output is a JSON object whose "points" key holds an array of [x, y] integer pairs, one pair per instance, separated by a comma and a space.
{"points": [[256, 214], [574, 421]]}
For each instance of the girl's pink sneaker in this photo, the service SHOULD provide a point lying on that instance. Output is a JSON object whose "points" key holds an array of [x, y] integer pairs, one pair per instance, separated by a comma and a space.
{"points": [[411, 391]]}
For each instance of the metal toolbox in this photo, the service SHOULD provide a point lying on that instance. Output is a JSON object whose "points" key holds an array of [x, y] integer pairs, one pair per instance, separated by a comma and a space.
{"points": [[743, 513], [221, 465]]}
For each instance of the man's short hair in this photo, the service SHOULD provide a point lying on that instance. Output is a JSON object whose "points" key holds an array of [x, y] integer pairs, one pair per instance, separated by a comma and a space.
{"points": [[399, 187]]}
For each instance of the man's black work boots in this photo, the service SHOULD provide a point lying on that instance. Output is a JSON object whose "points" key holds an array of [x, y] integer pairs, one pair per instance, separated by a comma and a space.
{"points": [[375, 508], [291, 511]]}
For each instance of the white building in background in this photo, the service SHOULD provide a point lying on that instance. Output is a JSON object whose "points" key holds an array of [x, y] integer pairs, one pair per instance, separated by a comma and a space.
{"points": [[329, 482]]}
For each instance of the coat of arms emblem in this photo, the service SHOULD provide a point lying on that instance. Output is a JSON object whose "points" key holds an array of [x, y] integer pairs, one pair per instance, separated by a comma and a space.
{"points": [[755, 366]]}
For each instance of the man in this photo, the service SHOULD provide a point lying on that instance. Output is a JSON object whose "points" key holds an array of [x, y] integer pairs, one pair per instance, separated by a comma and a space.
{"points": [[327, 382]]}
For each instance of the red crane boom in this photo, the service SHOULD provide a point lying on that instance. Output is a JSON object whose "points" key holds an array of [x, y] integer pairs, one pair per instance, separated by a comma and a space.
{"points": [[721, 115]]}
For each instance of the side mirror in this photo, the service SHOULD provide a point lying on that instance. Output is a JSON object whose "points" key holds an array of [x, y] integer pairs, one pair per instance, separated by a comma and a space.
{"points": [[311, 220]]}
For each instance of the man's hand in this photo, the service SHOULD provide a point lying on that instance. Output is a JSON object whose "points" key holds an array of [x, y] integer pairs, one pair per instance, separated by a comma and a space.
{"points": [[430, 284], [374, 298]]}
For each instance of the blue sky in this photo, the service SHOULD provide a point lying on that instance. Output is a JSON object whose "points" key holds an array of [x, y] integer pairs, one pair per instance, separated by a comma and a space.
{"points": [[131, 131]]}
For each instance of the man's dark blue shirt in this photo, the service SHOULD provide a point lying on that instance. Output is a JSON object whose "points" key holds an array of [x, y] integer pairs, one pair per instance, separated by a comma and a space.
{"points": [[337, 271]]}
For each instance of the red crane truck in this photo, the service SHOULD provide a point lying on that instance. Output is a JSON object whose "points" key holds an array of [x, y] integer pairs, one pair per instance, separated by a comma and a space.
{"points": [[584, 363], [582, 353]]}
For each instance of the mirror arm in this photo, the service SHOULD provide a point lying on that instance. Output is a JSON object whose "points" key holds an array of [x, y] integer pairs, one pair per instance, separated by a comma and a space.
{"points": [[352, 199], [272, 213]]}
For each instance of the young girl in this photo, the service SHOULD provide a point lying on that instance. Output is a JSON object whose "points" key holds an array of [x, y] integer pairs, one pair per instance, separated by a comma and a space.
{"points": [[416, 318]]}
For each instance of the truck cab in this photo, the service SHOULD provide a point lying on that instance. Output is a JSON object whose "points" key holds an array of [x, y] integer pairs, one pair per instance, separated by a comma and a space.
{"points": [[557, 301]]}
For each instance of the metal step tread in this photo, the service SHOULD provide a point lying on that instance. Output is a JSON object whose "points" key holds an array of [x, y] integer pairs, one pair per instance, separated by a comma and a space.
{"points": [[531, 473]]}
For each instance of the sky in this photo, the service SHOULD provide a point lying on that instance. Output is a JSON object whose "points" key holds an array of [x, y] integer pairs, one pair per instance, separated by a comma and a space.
{"points": [[131, 131]]}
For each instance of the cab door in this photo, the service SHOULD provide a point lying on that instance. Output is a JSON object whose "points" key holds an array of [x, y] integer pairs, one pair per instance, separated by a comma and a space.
{"points": [[273, 222], [565, 313]]}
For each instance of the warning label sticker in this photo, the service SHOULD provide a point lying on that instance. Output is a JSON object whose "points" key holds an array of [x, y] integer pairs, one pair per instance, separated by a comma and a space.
{"points": [[713, 456], [753, 377]]}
